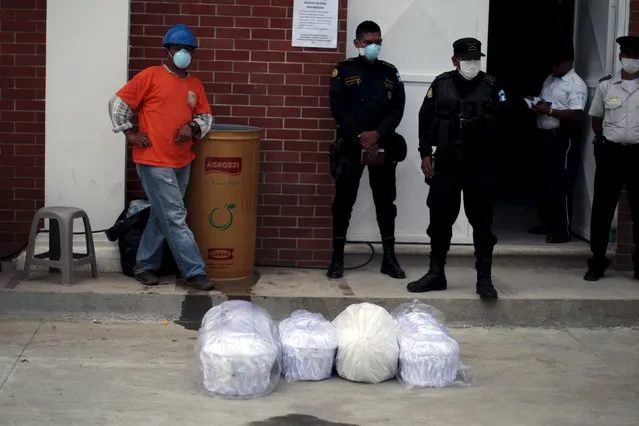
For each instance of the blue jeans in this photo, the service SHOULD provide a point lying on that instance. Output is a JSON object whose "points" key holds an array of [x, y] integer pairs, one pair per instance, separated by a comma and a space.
{"points": [[165, 188]]}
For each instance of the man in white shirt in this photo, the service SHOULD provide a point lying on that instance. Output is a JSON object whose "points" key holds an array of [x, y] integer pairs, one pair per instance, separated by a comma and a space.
{"points": [[615, 122], [561, 109]]}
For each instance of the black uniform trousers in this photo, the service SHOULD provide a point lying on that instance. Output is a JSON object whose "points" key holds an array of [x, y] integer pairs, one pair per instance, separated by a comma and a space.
{"points": [[382, 183], [616, 165], [474, 177], [558, 177]]}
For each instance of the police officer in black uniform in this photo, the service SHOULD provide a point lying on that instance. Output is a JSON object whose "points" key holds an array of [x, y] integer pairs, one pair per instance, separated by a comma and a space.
{"points": [[615, 113], [458, 118], [367, 101]]}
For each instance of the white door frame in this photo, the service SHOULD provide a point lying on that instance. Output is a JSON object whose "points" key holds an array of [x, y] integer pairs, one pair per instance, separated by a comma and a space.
{"points": [[621, 29], [618, 24]]}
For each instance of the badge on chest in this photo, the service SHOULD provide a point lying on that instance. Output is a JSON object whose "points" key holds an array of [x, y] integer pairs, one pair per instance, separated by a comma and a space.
{"points": [[192, 98]]}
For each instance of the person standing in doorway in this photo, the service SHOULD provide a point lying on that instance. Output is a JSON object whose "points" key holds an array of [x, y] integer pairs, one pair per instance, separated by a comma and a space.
{"points": [[458, 117], [559, 115], [173, 110], [615, 122], [367, 100]]}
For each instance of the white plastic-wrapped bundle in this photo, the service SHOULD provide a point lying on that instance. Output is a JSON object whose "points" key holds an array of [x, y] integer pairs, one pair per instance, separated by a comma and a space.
{"points": [[415, 313], [309, 343], [428, 356], [239, 351], [367, 349]]}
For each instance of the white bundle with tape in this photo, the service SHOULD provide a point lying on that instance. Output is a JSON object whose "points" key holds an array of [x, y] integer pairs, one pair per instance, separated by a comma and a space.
{"points": [[428, 356], [239, 351], [309, 343]]}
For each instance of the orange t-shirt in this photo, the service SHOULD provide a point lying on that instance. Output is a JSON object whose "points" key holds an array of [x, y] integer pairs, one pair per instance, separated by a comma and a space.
{"points": [[165, 103]]}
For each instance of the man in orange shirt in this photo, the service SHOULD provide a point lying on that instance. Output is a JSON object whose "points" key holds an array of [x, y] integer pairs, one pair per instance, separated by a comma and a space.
{"points": [[173, 110]]}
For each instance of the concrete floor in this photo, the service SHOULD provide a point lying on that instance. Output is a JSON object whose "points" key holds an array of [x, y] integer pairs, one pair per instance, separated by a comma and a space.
{"points": [[125, 374]]}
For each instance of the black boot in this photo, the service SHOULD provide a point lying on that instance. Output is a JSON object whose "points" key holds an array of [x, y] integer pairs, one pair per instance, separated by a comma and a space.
{"points": [[336, 268], [485, 287], [596, 268], [390, 265], [434, 280]]}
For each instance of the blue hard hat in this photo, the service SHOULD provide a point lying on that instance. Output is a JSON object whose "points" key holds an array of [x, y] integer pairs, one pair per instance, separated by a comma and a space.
{"points": [[180, 34]]}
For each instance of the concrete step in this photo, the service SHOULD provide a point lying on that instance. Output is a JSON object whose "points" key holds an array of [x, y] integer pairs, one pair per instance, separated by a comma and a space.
{"points": [[529, 296]]}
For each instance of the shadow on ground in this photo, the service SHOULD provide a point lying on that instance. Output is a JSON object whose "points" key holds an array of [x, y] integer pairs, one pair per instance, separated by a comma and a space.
{"points": [[297, 420]]}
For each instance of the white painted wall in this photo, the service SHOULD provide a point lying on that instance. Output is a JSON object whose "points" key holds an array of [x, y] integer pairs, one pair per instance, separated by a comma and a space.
{"points": [[87, 61]]}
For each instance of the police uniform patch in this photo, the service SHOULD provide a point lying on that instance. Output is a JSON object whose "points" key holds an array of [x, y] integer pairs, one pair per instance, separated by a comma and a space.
{"points": [[349, 81], [334, 73], [192, 98], [502, 96], [429, 94], [399, 79]]}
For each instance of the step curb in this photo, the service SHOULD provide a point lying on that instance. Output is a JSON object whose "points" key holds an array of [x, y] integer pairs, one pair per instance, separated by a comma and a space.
{"points": [[147, 306]]}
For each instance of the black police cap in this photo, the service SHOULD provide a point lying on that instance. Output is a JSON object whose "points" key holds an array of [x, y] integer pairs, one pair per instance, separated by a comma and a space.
{"points": [[628, 44], [467, 48]]}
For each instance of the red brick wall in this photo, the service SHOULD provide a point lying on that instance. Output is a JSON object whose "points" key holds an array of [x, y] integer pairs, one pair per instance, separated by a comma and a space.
{"points": [[254, 77], [625, 246], [22, 83]]}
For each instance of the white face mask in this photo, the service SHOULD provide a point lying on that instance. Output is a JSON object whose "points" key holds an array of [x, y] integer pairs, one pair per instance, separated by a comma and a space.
{"points": [[630, 65], [469, 69]]}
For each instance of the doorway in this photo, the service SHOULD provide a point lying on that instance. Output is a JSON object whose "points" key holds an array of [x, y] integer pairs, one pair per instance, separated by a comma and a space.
{"points": [[521, 35]]}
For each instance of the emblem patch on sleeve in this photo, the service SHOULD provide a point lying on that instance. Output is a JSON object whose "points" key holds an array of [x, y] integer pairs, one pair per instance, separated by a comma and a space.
{"points": [[429, 94], [334, 73], [502, 96], [399, 78]]}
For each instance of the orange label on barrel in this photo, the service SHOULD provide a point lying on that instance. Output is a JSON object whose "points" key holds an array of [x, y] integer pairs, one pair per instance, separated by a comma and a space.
{"points": [[223, 165], [220, 258], [218, 254]]}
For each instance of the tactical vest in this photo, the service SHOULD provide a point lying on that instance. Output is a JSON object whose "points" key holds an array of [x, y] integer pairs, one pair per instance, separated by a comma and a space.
{"points": [[457, 118]]}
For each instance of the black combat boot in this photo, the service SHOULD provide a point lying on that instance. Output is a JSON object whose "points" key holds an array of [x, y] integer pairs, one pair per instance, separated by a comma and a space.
{"points": [[390, 265], [485, 287], [435, 278], [336, 268], [596, 268]]}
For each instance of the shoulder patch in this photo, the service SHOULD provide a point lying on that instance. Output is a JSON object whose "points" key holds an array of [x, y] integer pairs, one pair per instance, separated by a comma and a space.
{"points": [[429, 94], [502, 96], [335, 73], [608, 77], [490, 79]]}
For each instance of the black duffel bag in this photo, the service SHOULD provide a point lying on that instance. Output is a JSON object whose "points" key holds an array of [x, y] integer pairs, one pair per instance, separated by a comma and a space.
{"points": [[127, 231]]}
